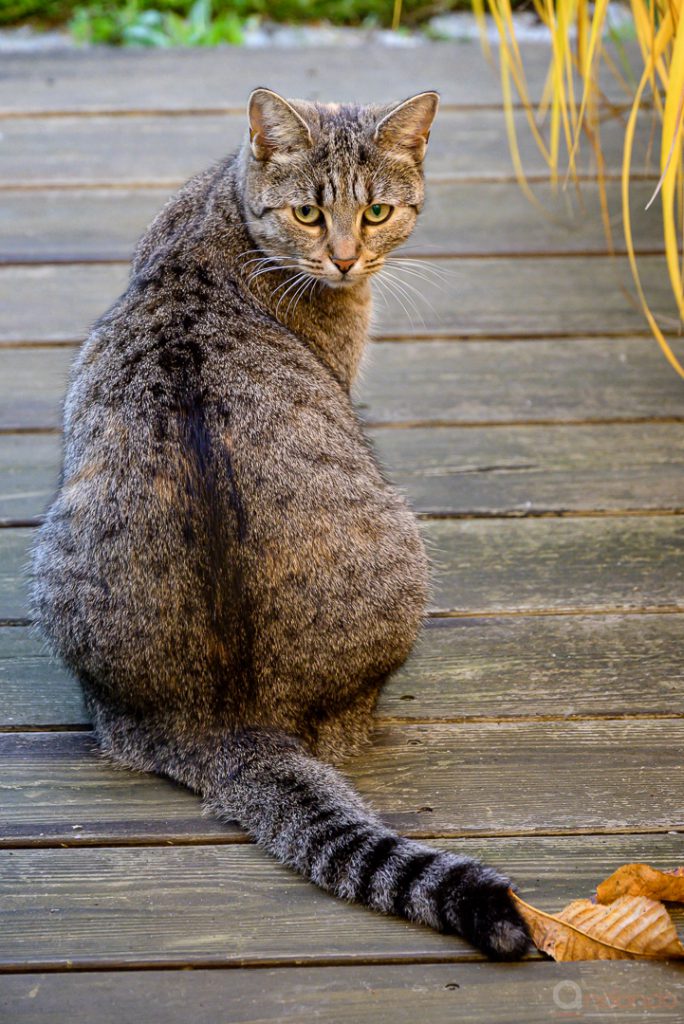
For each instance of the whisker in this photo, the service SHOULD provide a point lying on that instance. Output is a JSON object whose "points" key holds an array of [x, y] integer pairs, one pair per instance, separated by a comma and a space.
{"points": [[425, 266], [294, 282], [297, 295], [421, 277], [402, 287], [271, 270], [391, 287]]}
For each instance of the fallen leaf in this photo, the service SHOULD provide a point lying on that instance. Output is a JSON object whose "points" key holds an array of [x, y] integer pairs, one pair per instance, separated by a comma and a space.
{"points": [[642, 880], [630, 928]]}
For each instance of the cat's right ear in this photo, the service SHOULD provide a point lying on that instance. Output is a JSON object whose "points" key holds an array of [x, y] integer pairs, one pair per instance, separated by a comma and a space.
{"points": [[274, 125]]}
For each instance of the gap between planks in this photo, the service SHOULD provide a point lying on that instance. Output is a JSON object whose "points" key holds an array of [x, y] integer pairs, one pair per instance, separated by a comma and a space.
{"points": [[237, 839], [615, 110], [437, 614], [351, 960], [392, 336], [588, 513], [599, 716], [10, 260], [68, 184]]}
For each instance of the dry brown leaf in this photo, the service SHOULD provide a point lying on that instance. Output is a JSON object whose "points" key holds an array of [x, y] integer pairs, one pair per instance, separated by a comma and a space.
{"points": [[630, 928], [642, 880]]}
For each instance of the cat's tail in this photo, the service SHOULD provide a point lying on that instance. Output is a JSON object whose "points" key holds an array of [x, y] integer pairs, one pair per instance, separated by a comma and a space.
{"points": [[307, 816]]}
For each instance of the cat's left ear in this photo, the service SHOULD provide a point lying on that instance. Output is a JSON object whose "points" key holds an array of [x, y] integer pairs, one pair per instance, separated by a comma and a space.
{"points": [[407, 126], [274, 125]]}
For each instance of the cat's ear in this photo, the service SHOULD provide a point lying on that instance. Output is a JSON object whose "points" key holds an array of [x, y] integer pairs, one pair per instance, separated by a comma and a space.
{"points": [[274, 125], [407, 125]]}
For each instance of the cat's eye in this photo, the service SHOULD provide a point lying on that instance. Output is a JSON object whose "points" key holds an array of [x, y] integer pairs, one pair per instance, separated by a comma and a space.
{"points": [[308, 214], [377, 213]]}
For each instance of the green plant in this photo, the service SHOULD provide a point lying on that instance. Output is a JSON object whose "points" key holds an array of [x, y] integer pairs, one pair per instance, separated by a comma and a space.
{"points": [[135, 25]]}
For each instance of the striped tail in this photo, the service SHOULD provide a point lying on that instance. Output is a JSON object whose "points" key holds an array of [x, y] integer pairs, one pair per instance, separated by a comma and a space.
{"points": [[307, 816]]}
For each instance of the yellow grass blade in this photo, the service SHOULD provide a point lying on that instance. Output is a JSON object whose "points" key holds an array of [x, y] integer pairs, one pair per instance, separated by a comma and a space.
{"points": [[660, 43], [670, 160]]}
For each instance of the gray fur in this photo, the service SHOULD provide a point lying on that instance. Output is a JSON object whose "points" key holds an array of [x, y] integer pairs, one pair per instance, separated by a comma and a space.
{"points": [[225, 568]]}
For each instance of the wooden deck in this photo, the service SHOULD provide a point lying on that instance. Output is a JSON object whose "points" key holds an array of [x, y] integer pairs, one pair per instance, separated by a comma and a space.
{"points": [[539, 433]]}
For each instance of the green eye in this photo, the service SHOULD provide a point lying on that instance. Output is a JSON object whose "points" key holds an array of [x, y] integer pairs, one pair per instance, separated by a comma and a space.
{"points": [[377, 213], [307, 214]]}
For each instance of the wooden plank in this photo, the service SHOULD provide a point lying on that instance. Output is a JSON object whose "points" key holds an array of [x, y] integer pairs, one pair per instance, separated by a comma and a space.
{"points": [[425, 779], [556, 564], [463, 218], [441, 382], [121, 80], [556, 666], [504, 565], [14, 557], [165, 151], [29, 471], [35, 690], [534, 470], [446, 470], [209, 905], [461, 669], [500, 382], [531, 993], [531, 296]]}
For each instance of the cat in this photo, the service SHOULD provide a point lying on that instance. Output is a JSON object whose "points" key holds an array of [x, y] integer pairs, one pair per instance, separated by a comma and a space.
{"points": [[225, 568]]}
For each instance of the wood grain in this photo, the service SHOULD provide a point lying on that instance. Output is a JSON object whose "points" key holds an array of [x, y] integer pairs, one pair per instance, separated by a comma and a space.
{"points": [[530, 296], [556, 564], [414, 382], [352, 994], [444, 779], [226, 905], [29, 472], [533, 470], [462, 218], [446, 470], [504, 565], [553, 666], [156, 150], [551, 744], [35, 690], [534, 297], [220, 79], [522, 381], [461, 670]]}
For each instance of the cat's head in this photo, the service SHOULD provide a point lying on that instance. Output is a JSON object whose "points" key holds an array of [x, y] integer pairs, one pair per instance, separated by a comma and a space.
{"points": [[331, 189]]}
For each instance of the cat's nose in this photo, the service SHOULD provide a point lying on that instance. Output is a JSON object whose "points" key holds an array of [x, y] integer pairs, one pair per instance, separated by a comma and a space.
{"points": [[343, 265]]}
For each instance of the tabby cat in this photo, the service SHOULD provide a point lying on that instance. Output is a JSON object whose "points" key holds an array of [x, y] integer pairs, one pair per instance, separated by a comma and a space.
{"points": [[225, 568]]}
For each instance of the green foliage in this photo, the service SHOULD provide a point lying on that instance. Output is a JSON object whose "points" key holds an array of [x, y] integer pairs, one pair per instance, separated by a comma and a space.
{"points": [[123, 12], [135, 25]]}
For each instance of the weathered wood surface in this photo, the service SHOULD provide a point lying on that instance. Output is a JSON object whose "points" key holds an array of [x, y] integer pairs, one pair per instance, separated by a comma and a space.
{"points": [[185, 80], [378, 994], [425, 779], [446, 470], [34, 689], [481, 296], [485, 566], [149, 149], [153, 906], [461, 669], [513, 728], [29, 471], [459, 218], [531, 470], [478, 382], [562, 565]]}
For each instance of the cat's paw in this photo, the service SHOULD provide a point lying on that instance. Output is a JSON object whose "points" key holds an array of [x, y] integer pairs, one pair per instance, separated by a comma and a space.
{"points": [[479, 907]]}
